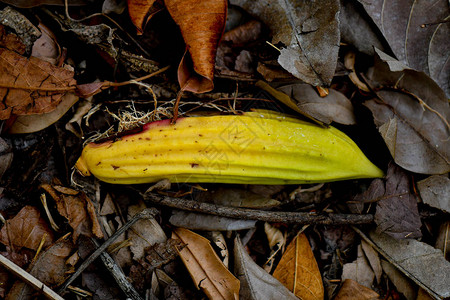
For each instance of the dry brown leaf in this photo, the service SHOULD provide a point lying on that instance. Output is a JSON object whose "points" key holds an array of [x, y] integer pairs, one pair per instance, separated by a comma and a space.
{"points": [[351, 290], [30, 86], [11, 41], [277, 242], [138, 10], [298, 270], [78, 209], [50, 268], [26, 229], [202, 24], [205, 267]]}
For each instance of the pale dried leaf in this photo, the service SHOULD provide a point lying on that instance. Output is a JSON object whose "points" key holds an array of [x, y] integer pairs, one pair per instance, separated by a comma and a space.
{"points": [[256, 284], [334, 107], [422, 263], [359, 270], [374, 260], [435, 191], [205, 267], [400, 281], [146, 232], [298, 270]]}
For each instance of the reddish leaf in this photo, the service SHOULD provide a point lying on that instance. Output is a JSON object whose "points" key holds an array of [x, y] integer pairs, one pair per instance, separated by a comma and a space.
{"points": [[26, 229], [11, 41], [202, 24], [138, 10], [30, 86]]}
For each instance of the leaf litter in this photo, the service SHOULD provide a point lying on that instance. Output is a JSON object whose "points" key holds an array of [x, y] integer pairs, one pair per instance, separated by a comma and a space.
{"points": [[119, 73]]}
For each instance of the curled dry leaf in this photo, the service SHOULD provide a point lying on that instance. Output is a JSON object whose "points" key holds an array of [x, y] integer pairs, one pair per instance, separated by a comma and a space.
{"points": [[138, 10], [46, 47], [78, 209], [50, 268], [351, 290], [26, 229], [205, 267], [309, 30], [412, 116], [298, 270], [32, 86], [417, 33], [256, 284], [202, 24]]}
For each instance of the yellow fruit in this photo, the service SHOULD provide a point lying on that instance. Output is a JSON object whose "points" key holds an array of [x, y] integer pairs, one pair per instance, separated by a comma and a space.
{"points": [[260, 147]]}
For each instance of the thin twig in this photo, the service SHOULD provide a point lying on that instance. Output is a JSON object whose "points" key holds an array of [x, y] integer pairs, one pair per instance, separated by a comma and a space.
{"points": [[146, 213], [28, 278], [261, 215], [118, 275]]}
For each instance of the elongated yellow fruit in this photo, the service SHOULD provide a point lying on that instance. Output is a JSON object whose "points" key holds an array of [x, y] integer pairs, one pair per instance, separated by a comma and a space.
{"points": [[261, 147]]}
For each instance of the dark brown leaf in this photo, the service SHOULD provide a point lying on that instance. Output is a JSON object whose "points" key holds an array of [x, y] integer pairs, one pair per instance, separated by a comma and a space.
{"points": [[396, 213], [202, 24], [412, 116], [32, 86], [417, 32], [50, 268], [11, 41], [435, 191], [78, 209], [351, 290], [26, 229]]}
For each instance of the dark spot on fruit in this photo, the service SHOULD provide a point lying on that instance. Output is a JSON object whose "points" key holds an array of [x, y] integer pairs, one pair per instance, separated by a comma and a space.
{"points": [[98, 163], [160, 130], [264, 148], [174, 128], [165, 135], [140, 138], [148, 139], [115, 167], [200, 134], [194, 165], [145, 169], [196, 142]]}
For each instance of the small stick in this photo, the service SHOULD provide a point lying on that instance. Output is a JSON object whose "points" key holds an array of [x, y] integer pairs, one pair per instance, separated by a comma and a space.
{"points": [[118, 275], [146, 213], [261, 215], [28, 278]]}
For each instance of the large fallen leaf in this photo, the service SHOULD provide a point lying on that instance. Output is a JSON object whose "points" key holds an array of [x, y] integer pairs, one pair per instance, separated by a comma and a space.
{"points": [[26, 229], [30, 86], [309, 30], [417, 32], [402, 283], [298, 270], [256, 284], [196, 221], [78, 209], [435, 191], [202, 24], [422, 263], [205, 267], [50, 268], [412, 116], [334, 107], [396, 211], [351, 290]]}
